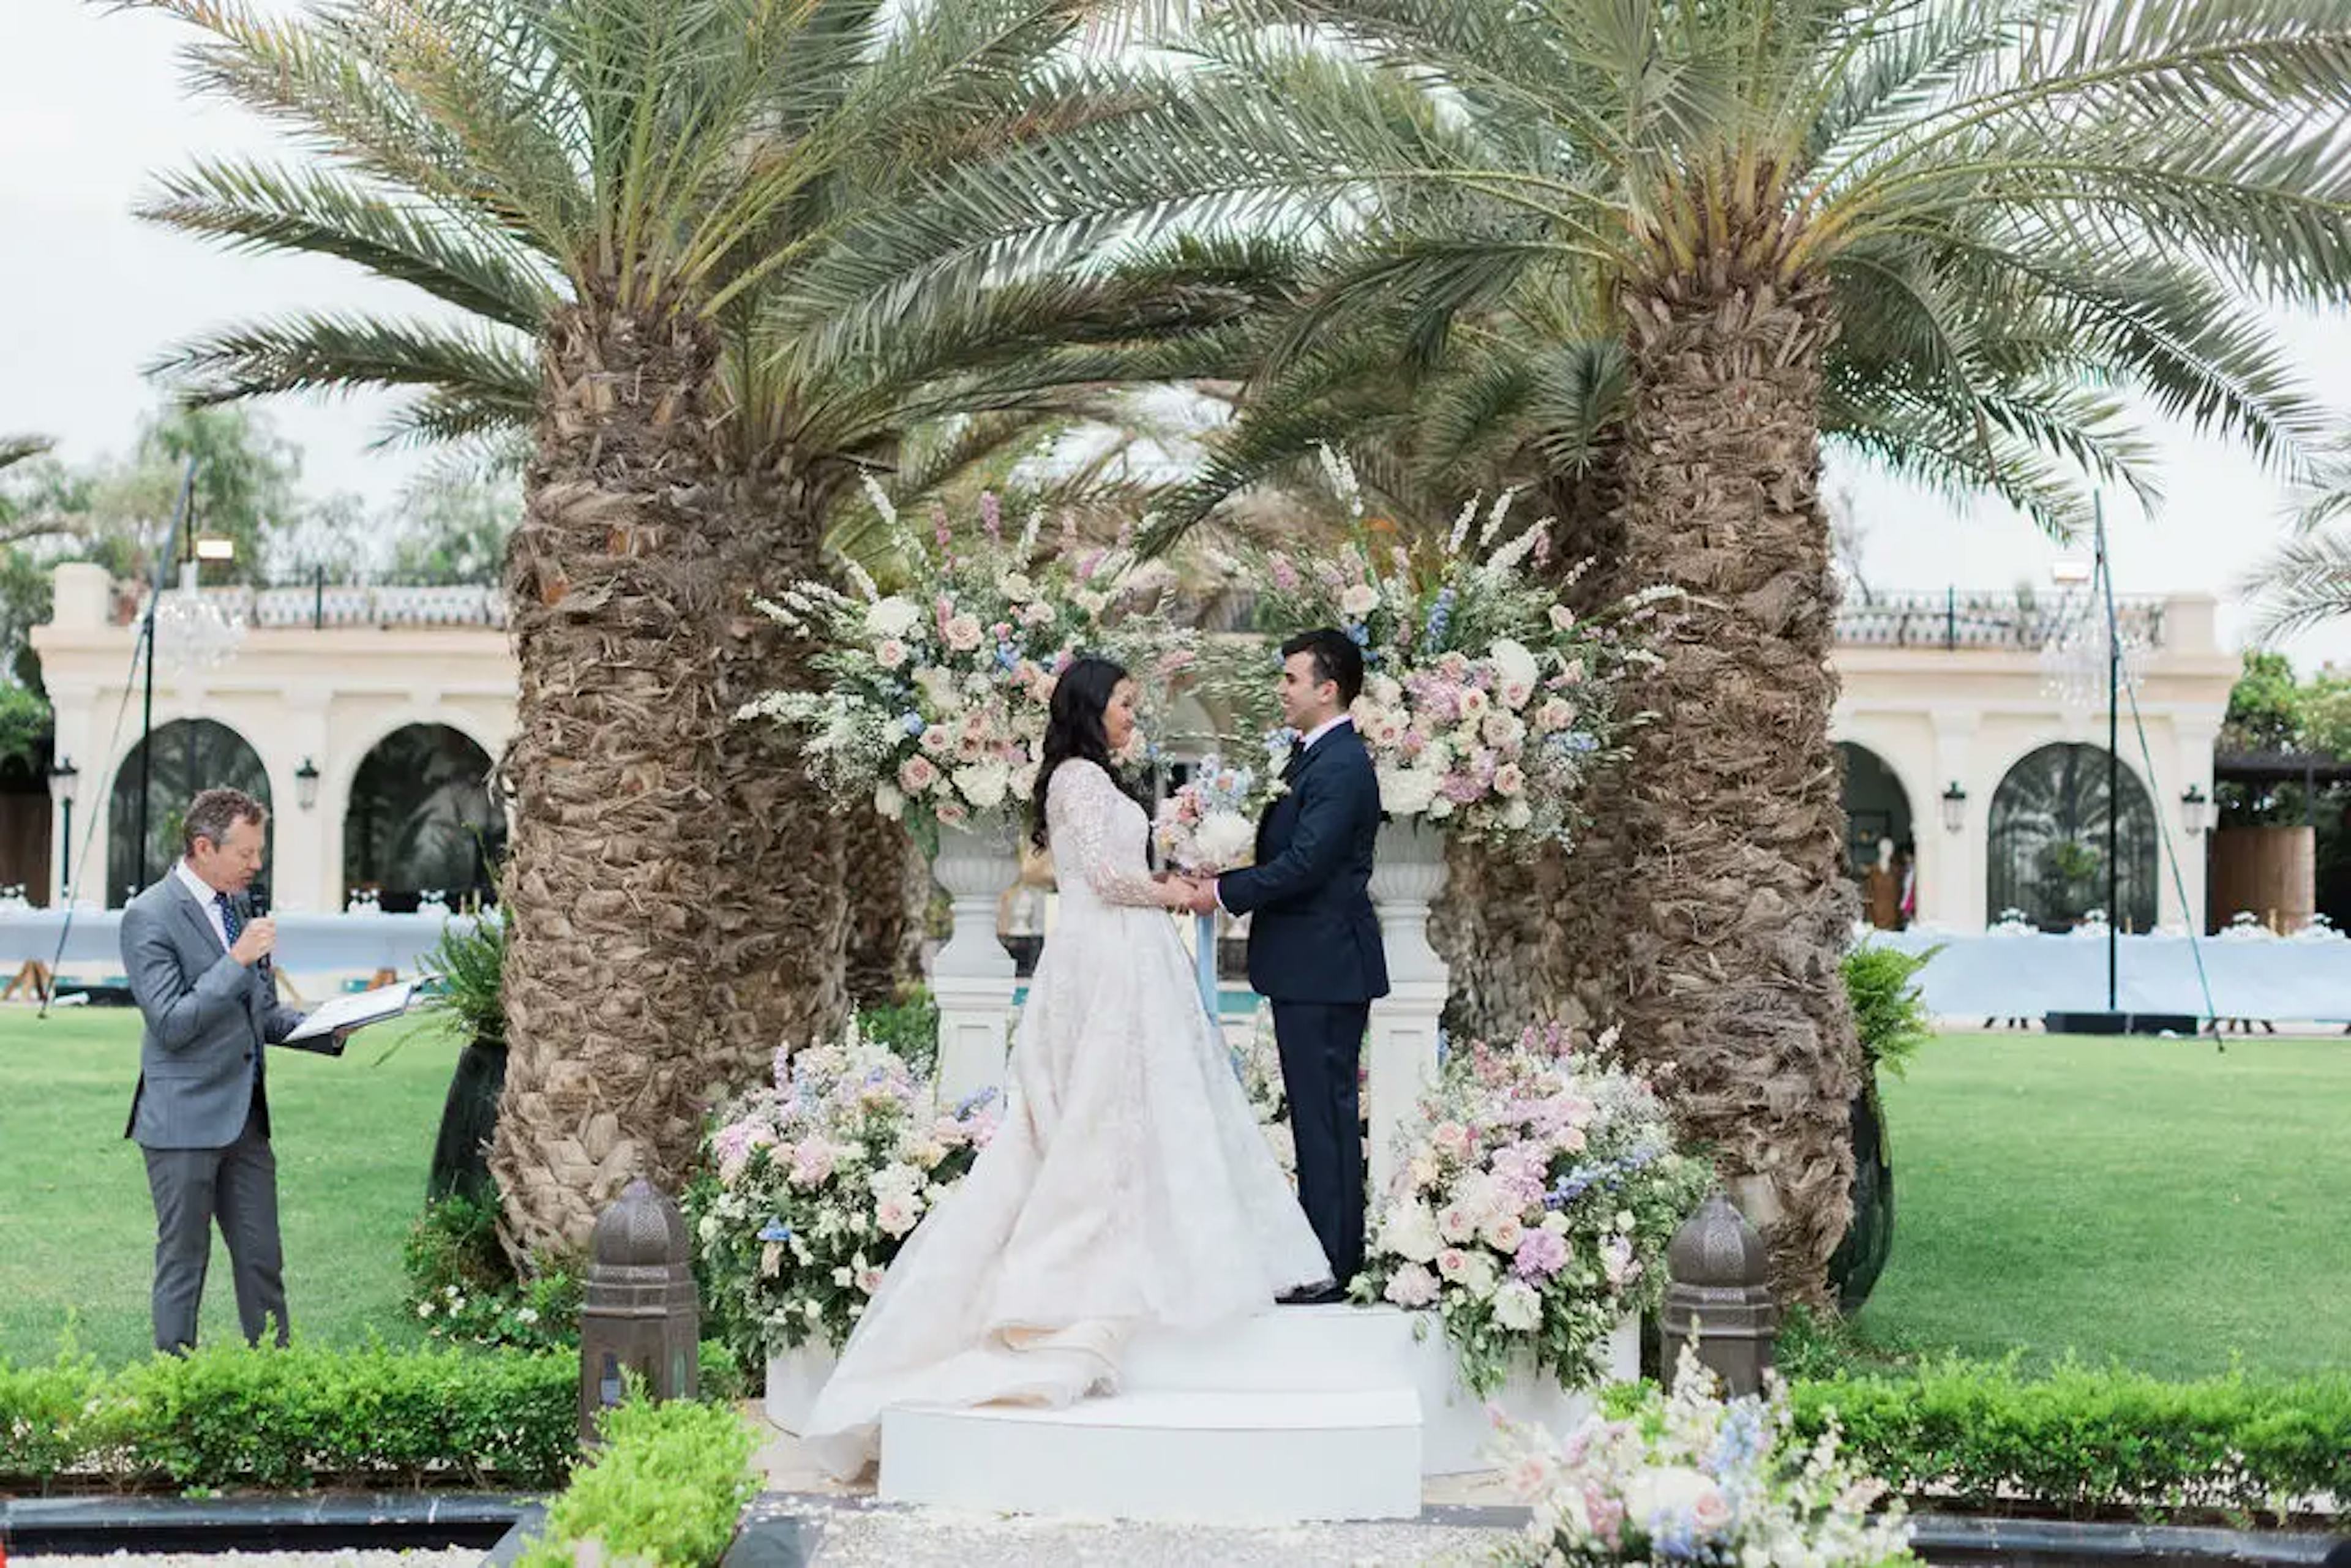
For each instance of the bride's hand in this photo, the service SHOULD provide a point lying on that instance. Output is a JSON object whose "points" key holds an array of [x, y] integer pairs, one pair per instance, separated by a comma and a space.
{"points": [[1179, 893]]}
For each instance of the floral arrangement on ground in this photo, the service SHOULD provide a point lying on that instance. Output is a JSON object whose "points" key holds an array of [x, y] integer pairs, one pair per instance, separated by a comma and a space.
{"points": [[1487, 701], [933, 701], [1690, 1476], [810, 1187], [1532, 1213]]}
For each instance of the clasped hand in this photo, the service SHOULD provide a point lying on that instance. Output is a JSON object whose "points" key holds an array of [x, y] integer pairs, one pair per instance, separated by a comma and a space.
{"points": [[1196, 895]]}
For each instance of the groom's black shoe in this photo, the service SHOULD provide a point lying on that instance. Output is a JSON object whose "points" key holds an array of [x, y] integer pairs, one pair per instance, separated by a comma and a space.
{"points": [[1311, 1296]]}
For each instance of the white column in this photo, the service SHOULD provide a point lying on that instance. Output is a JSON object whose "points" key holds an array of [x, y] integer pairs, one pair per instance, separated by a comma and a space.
{"points": [[973, 975], [1402, 1054], [307, 845], [1955, 898], [2194, 741]]}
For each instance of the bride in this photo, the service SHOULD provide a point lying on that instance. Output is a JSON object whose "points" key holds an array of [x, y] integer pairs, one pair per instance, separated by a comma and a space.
{"points": [[1129, 1186]]}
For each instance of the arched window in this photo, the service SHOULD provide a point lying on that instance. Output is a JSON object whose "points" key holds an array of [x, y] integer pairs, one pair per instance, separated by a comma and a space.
{"points": [[2049, 842], [421, 819], [1876, 812], [189, 755]]}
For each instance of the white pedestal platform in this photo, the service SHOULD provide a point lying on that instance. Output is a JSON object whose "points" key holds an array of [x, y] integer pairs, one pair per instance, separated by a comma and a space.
{"points": [[1300, 1414]]}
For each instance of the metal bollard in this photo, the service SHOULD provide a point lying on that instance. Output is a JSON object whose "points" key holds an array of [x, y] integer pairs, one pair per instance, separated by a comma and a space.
{"points": [[1718, 1272], [639, 1312]]}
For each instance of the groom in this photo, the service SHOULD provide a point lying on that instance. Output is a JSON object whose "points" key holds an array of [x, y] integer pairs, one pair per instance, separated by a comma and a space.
{"points": [[1314, 943]]}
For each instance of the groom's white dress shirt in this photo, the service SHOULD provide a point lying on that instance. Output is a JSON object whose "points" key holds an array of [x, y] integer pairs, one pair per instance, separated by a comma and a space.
{"points": [[1306, 743]]}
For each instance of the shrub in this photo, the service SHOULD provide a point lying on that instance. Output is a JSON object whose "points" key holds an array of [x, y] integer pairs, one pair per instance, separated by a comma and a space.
{"points": [[667, 1489], [1987, 1437], [462, 1289], [230, 1416], [908, 1029]]}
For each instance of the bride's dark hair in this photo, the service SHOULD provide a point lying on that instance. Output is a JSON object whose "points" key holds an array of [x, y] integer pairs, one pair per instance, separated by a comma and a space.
{"points": [[1073, 730]]}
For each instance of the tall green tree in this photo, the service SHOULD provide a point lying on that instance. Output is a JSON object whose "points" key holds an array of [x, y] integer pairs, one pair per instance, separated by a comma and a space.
{"points": [[1945, 227], [660, 235]]}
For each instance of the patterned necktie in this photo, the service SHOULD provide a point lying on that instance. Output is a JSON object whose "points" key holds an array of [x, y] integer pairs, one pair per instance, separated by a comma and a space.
{"points": [[1297, 755]]}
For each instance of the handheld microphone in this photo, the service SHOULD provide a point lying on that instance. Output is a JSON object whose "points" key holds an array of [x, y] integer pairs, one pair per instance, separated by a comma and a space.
{"points": [[256, 904]]}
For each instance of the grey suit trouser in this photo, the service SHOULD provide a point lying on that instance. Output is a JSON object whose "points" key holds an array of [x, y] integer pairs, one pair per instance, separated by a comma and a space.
{"points": [[239, 1186]]}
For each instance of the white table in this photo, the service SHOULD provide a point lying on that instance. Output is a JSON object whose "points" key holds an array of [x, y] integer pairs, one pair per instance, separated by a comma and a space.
{"points": [[1982, 975], [307, 943]]}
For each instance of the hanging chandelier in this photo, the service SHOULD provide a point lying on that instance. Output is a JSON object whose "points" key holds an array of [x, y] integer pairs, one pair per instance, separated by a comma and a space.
{"points": [[191, 635]]}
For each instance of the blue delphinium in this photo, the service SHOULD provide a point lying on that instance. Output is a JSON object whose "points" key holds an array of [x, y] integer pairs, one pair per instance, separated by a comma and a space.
{"points": [[1441, 615]]}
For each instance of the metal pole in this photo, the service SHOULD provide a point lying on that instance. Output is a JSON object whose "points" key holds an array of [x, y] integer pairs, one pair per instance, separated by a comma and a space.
{"points": [[147, 637], [65, 868], [2114, 756]]}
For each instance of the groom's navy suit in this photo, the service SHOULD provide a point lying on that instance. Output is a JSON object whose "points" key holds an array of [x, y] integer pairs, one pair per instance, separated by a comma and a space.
{"points": [[1314, 952]]}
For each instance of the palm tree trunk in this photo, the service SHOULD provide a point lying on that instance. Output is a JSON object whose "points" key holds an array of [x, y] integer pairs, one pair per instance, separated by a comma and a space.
{"points": [[1734, 904], [778, 908], [613, 578], [889, 891], [1529, 937]]}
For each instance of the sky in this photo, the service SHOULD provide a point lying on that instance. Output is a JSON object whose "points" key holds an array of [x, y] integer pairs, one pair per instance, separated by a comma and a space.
{"points": [[92, 106]]}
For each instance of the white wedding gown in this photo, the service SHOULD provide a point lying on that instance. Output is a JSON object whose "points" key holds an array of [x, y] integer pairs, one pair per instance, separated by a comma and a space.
{"points": [[1127, 1187]]}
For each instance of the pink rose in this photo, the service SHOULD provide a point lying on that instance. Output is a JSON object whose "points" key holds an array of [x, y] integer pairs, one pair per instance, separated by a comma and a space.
{"points": [[917, 774], [890, 653], [811, 1162], [962, 634], [1411, 1286], [1510, 780], [1452, 1138], [938, 740], [869, 1281], [1709, 1511], [1503, 1232], [896, 1215], [951, 814], [1453, 1262]]}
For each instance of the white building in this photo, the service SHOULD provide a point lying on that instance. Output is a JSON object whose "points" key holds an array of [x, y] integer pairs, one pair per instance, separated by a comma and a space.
{"points": [[368, 717]]}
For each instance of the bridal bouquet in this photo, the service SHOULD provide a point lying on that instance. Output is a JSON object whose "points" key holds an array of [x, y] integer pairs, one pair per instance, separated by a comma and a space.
{"points": [[1487, 702], [934, 701], [812, 1185], [1209, 823], [1535, 1207], [1691, 1478]]}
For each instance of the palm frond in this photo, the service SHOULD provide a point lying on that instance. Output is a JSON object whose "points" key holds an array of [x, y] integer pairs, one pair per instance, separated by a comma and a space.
{"points": [[2304, 582]]}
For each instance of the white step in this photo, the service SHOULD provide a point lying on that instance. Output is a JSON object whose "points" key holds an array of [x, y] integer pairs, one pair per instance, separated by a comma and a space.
{"points": [[1189, 1456], [1324, 1349], [1339, 1347]]}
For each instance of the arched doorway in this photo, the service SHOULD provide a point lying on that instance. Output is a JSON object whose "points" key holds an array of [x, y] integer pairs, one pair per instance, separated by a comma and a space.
{"points": [[1876, 821], [190, 755], [2048, 851], [421, 819]]}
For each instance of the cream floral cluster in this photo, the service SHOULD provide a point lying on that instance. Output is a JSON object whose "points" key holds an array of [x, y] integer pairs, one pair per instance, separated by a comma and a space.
{"points": [[1692, 1478], [813, 1184], [1531, 1213], [932, 703]]}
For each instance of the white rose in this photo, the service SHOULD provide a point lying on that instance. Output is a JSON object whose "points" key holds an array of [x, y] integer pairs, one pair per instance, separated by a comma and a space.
{"points": [[1517, 1308], [1517, 816], [1411, 1286], [1225, 838], [1556, 713], [939, 684], [889, 802], [1410, 1232], [1016, 587], [1385, 690], [1359, 601], [1479, 1275], [1503, 731], [892, 617], [1406, 791], [1439, 809], [984, 784], [1514, 664], [1562, 618]]}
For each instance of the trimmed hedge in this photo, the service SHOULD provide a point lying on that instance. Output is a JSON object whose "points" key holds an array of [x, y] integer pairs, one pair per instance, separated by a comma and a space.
{"points": [[306, 1416], [667, 1489], [1987, 1439]]}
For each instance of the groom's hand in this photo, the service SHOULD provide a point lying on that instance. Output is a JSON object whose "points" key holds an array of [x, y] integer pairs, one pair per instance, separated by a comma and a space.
{"points": [[1204, 898]]}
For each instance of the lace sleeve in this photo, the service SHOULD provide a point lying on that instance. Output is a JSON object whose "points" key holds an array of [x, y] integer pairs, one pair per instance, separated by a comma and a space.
{"points": [[1080, 814]]}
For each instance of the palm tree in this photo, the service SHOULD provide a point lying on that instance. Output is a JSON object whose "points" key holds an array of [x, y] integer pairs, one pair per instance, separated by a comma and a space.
{"points": [[2306, 581], [651, 219], [1789, 216]]}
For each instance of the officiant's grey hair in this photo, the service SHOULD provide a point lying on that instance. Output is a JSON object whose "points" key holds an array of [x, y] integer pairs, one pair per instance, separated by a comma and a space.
{"points": [[213, 813]]}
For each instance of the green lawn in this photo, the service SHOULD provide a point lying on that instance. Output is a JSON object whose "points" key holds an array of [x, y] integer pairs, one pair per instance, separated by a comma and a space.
{"points": [[2157, 1202], [2154, 1201], [77, 1228]]}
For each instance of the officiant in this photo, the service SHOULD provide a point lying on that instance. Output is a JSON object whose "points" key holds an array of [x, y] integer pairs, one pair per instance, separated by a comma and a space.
{"points": [[199, 956]]}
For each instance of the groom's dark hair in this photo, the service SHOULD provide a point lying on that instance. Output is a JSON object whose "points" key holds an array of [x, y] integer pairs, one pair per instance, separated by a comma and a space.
{"points": [[1336, 660]]}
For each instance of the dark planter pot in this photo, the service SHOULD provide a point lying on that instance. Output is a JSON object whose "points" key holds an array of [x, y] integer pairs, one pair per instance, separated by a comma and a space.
{"points": [[1861, 1257], [461, 1153]]}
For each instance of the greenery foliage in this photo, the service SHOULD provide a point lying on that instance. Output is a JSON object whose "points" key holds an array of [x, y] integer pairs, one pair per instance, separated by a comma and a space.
{"points": [[909, 1027], [1888, 1011], [466, 967], [1989, 1438], [229, 1416], [666, 1490], [463, 1291]]}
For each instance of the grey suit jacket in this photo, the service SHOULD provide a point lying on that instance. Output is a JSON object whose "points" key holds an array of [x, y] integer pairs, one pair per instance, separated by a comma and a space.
{"points": [[207, 1017]]}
